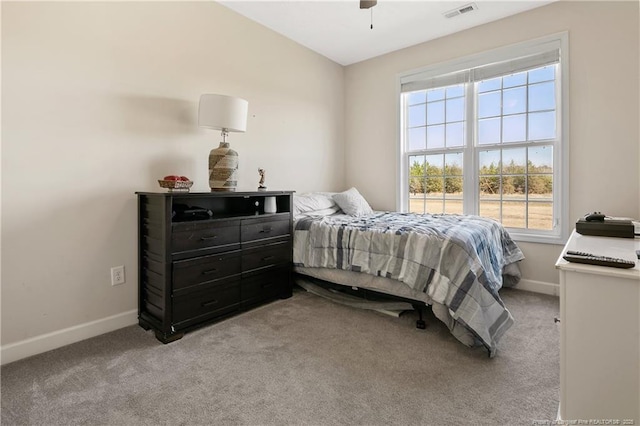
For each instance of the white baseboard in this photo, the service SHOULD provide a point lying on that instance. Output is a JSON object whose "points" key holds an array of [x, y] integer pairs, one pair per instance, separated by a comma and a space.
{"points": [[539, 287], [46, 342]]}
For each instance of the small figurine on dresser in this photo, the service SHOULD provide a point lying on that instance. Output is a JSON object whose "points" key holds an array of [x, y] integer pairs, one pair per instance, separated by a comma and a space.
{"points": [[261, 186]]}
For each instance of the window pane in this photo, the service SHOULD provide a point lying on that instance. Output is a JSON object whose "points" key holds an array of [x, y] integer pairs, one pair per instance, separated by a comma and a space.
{"points": [[489, 209], [540, 186], [514, 128], [453, 175], [435, 206], [455, 134], [434, 186], [514, 214], [542, 96], [416, 187], [435, 94], [434, 164], [417, 138], [453, 185], [540, 159], [542, 74], [513, 187], [542, 125], [489, 104], [416, 165], [455, 91], [540, 214], [453, 205], [489, 131], [513, 161], [435, 112], [514, 100], [453, 164], [417, 205], [487, 85], [489, 162], [455, 109], [417, 98], [417, 115], [514, 80], [435, 136], [489, 187]]}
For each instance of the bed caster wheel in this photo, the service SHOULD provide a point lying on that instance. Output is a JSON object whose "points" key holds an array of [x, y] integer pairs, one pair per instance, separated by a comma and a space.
{"points": [[421, 324]]}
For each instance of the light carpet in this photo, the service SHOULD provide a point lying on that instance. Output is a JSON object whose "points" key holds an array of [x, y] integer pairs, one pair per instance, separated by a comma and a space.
{"points": [[300, 361]]}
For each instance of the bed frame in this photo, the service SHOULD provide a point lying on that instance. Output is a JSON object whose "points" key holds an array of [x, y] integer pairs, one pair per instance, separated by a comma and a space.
{"points": [[367, 294]]}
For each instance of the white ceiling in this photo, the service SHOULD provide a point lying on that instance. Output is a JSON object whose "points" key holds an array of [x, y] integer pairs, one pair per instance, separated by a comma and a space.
{"points": [[340, 30]]}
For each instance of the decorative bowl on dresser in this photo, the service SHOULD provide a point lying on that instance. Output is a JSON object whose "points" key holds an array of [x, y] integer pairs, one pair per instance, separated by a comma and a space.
{"points": [[205, 256]]}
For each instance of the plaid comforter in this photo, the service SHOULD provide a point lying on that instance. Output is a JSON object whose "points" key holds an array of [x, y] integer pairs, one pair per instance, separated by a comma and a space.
{"points": [[457, 260]]}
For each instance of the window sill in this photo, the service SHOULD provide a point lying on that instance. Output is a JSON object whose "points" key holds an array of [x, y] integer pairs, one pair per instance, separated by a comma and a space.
{"points": [[537, 238]]}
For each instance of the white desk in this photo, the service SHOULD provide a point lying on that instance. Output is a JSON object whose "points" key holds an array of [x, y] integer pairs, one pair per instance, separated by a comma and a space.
{"points": [[600, 333]]}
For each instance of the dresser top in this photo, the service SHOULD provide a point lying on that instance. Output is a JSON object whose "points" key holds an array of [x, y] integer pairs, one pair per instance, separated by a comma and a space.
{"points": [[623, 248], [215, 193]]}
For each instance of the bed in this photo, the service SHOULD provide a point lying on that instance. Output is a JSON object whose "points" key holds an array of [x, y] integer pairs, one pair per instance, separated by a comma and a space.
{"points": [[454, 263]]}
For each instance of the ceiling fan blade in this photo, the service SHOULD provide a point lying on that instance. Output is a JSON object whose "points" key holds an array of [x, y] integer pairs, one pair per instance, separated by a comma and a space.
{"points": [[366, 4]]}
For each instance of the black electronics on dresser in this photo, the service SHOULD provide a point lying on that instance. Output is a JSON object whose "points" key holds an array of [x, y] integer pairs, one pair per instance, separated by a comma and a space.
{"points": [[598, 224], [205, 256]]}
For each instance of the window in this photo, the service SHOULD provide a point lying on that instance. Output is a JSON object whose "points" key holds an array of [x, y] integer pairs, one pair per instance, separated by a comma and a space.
{"points": [[486, 135]]}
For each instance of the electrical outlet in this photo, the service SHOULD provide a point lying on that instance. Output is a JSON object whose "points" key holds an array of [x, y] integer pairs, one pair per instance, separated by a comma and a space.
{"points": [[117, 275]]}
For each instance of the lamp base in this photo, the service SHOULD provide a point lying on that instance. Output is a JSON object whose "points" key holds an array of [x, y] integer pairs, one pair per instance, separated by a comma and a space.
{"points": [[223, 168]]}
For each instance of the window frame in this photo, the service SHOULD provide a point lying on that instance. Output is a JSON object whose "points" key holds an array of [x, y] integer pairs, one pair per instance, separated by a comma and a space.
{"points": [[560, 232]]}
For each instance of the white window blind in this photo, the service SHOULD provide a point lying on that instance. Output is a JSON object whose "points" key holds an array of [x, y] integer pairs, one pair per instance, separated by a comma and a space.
{"points": [[479, 70]]}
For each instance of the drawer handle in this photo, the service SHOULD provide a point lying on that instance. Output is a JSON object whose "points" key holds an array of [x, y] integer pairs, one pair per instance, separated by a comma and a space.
{"points": [[264, 259], [210, 271], [213, 237], [266, 230], [267, 285], [209, 303]]}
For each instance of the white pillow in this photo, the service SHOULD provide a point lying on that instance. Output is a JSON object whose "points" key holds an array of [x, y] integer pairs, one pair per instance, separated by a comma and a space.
{"points": [[352, 203], [312, 201], [319, 213]]}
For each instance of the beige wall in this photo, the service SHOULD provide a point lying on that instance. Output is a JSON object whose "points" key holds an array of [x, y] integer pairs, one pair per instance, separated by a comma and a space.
{"points": [[604, 111], [99, 100]]}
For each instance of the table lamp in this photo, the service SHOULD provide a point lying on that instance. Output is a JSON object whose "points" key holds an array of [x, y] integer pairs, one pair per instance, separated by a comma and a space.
{"points": [[229, 114]]}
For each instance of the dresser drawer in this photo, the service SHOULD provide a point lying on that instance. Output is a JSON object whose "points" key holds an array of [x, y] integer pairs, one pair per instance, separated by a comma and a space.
{"points": [[205, 268], [267, 255], [198, 236], [265, 285], [210, 301], [265, 227]]}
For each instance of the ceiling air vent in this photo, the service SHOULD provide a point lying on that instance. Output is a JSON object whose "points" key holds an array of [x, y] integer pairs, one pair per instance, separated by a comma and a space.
{"points": [[460, 10]]}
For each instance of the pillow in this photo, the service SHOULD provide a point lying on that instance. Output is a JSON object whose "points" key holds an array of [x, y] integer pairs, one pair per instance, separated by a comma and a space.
{"points": [[312, 201], [319, 213], [352, 203]]}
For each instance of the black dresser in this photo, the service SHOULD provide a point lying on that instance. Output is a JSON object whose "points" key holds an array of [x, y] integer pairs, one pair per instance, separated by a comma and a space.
{"points": [[205, 256]]}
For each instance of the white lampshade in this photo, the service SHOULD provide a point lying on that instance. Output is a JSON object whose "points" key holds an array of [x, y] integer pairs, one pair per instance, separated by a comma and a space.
{"points": [[222, 112]]}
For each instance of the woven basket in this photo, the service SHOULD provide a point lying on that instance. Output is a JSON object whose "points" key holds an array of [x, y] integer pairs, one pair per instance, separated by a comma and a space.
{"points": [[176, 185]]}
